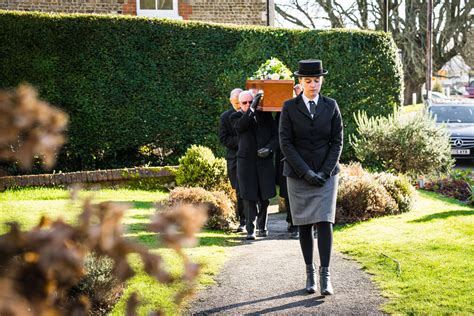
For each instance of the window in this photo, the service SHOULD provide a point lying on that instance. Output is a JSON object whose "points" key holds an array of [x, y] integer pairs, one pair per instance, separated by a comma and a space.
{"points": [[158, 8]]}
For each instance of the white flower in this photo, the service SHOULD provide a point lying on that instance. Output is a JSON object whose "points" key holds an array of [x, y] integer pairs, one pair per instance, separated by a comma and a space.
{"points": [[275, 76]]}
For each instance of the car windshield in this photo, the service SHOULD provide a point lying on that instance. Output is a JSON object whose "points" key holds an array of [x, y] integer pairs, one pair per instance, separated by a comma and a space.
{"points": [[453, 113]]}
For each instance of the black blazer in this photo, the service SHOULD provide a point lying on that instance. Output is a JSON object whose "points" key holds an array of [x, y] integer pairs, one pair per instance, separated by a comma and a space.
{"points": [[310, 143], [228, 135]]}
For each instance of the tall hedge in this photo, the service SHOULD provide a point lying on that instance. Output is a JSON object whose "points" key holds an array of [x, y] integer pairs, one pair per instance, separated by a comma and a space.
{"points": [[129, 81]]}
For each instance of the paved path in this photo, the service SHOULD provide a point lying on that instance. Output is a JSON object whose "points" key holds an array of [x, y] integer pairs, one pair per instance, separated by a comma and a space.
{"points": [[267, 276]]}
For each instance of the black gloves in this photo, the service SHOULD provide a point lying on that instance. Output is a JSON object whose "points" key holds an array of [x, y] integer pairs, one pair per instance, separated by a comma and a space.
{"points": [[264, 152], [316, 179], [256, 101]]}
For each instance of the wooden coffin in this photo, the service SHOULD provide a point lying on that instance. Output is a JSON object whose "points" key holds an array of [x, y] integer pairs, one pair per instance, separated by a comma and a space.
{"points": [[275, 92]]}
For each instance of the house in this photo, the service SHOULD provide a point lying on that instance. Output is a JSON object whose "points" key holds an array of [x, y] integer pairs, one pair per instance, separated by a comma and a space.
{"points": [[253, 12]]}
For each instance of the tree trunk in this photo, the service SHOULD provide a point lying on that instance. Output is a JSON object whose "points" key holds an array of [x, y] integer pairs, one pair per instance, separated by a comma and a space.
{"points": [[413, 86]]}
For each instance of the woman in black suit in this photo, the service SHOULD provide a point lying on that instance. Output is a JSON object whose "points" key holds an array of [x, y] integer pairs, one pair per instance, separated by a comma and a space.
{"points": [[311, 134]]}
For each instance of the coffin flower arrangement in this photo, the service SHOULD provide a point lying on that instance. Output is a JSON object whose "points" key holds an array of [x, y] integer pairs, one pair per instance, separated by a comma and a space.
{"points": [[272, 69], [276, 82]]}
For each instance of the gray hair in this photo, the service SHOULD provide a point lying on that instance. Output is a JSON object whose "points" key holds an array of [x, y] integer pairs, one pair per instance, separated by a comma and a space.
{"points": [[244, 93], [234, 92]]}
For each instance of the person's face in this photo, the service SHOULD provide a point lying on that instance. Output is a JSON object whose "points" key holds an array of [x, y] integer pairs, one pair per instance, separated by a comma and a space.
{"points": [[245, 102], [311, 86], [235, 102]]}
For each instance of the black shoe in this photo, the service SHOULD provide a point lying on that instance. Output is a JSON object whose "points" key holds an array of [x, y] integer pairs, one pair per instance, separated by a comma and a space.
{"points": [[241, 228], [250, 236], [325, 281], [262, 233], [310, 276], [295, 234]]}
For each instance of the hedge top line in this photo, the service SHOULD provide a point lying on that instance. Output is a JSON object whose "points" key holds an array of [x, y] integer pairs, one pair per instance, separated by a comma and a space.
{"points": [[184, 24]]}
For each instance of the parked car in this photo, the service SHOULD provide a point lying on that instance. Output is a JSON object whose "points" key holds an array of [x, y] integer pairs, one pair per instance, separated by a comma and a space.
{"points": [[458, 117], [435, 95]]}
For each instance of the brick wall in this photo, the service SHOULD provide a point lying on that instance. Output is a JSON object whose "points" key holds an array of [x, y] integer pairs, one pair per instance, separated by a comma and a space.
{"points": [[220, 11], [88, 177], [66, 6], [252, 12]]}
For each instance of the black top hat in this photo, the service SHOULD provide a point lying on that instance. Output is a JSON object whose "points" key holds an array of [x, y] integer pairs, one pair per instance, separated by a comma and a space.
{"points": [[310, 68]]}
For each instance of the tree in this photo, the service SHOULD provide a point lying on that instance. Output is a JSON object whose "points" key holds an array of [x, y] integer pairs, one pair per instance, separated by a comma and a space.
{"points": [[407, 22]]}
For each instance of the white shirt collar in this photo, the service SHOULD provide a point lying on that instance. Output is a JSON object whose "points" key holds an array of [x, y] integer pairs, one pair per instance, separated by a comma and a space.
{"points": [[306, 101]]}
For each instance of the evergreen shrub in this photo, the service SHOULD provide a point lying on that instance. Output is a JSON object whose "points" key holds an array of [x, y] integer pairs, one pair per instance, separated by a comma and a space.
{"points": [[410, 145], [200, 168]]}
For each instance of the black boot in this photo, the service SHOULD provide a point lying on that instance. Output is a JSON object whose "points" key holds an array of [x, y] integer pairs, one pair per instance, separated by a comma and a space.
{"points": [[325, 281], [310, 276]]}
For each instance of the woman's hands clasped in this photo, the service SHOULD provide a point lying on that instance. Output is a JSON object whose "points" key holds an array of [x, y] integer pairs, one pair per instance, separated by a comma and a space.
{"points": [[316, 178]]}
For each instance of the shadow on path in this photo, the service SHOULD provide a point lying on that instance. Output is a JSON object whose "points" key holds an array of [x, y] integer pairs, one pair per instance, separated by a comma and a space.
{"points": [[267, 276], [309, 301]]}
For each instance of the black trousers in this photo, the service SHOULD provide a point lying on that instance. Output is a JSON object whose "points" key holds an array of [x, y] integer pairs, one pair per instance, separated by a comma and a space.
{"points": [[232, 174], [240, 210], [289, 220], [256, 216]]}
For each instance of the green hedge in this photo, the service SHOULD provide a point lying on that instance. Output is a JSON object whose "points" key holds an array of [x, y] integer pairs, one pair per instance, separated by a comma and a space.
{"points": [[128, 81]]}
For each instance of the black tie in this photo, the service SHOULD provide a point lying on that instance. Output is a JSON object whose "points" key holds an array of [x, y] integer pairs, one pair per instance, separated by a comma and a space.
{"points": [[312, 107]]}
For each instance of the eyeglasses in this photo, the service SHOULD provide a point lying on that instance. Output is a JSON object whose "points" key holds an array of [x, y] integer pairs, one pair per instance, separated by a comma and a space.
{"points": [[246, 102]]}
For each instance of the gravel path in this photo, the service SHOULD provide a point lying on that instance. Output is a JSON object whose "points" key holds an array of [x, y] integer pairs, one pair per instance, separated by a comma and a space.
{"points": [[267, 276]]}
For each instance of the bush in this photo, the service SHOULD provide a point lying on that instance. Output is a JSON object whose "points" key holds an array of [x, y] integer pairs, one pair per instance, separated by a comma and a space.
{"points": [[120, 78], [99, 284], [438, 87], [363, 195], [399, 188], [458, 189], [220, 209], [361, 198], [200, 168], [413, 146]]}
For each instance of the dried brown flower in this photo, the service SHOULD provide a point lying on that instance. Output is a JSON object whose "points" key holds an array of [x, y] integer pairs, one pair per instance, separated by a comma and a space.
{"points": [[40, 265], [29, 127]]}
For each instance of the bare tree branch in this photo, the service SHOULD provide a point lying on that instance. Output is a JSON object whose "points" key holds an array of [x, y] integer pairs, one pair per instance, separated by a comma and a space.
{"points": [[453, 21], [290, 18]]}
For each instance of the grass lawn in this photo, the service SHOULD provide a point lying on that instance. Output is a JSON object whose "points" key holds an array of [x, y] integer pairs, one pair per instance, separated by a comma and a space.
{"points": [[434, 248], [27, 205]]}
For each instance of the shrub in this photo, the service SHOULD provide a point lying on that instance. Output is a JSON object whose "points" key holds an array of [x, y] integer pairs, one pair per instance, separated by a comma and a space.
{"points": [[219, 207], [119, 77], [413, 146], [200, 168], [466, 175], [453, 186], [399, 188], [361, 198], [438, 87], [363, 195], [99, 285]]}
